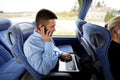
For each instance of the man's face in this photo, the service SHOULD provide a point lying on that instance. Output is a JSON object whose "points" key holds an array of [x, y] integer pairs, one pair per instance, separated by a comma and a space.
{"points": [[51, 25]]}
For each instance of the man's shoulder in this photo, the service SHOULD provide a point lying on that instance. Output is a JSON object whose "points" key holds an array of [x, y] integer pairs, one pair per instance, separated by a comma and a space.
{"points": [[33, 39]]}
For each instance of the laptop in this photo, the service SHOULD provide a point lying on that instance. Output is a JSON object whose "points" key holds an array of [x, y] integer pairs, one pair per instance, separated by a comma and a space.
{"points": [[70, 66]]}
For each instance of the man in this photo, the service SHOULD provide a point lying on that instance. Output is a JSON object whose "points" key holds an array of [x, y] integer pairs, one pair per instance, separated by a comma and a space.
{"points": [[113, 26], [39, 48]]}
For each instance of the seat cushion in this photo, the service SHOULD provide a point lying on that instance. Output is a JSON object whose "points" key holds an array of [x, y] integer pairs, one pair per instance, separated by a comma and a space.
{"points": [[11, 70]]}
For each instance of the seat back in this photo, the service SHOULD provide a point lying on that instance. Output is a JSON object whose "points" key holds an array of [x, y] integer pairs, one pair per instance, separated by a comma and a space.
{"points": [[4, 45], [4, 25], [17, 34], [96, 41]]}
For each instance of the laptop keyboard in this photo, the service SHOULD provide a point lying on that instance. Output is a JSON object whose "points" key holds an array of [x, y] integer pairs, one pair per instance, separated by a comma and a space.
{"points": [[70, 65]]}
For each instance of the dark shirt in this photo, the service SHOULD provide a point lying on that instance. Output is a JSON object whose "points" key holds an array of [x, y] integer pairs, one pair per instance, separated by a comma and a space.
{"points": [[114, 58]]}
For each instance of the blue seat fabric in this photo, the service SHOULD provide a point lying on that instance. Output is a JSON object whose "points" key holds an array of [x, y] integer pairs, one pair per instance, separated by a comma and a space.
{"points": [[4, 25], [9, 68], [99, 38], [17, 34]]}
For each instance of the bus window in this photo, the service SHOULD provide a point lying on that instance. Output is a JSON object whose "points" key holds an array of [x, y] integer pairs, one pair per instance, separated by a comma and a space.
{"points": [[25, 11], [102, 10]]}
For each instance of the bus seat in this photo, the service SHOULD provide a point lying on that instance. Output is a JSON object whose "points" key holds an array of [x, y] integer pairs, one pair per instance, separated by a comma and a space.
{"points": [[9, 68], [99, 39], [4, 25], [17, 34]]}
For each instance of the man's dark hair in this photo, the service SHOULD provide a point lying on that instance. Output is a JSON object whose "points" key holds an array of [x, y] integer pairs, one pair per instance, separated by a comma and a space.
{"points": [[43, 15]]}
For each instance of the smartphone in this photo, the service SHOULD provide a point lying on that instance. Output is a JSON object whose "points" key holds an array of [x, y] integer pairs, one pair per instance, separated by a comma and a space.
{"points": [[45, 30]]}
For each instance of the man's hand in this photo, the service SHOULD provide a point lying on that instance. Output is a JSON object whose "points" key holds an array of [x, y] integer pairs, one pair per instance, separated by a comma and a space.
{"points": [[66, 57], [46, 37]]}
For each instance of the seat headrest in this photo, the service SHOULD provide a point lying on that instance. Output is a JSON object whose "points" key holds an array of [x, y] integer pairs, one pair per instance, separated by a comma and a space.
{"points": [[26, 29], [97, 36], [4, 24], [20, 31]]}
